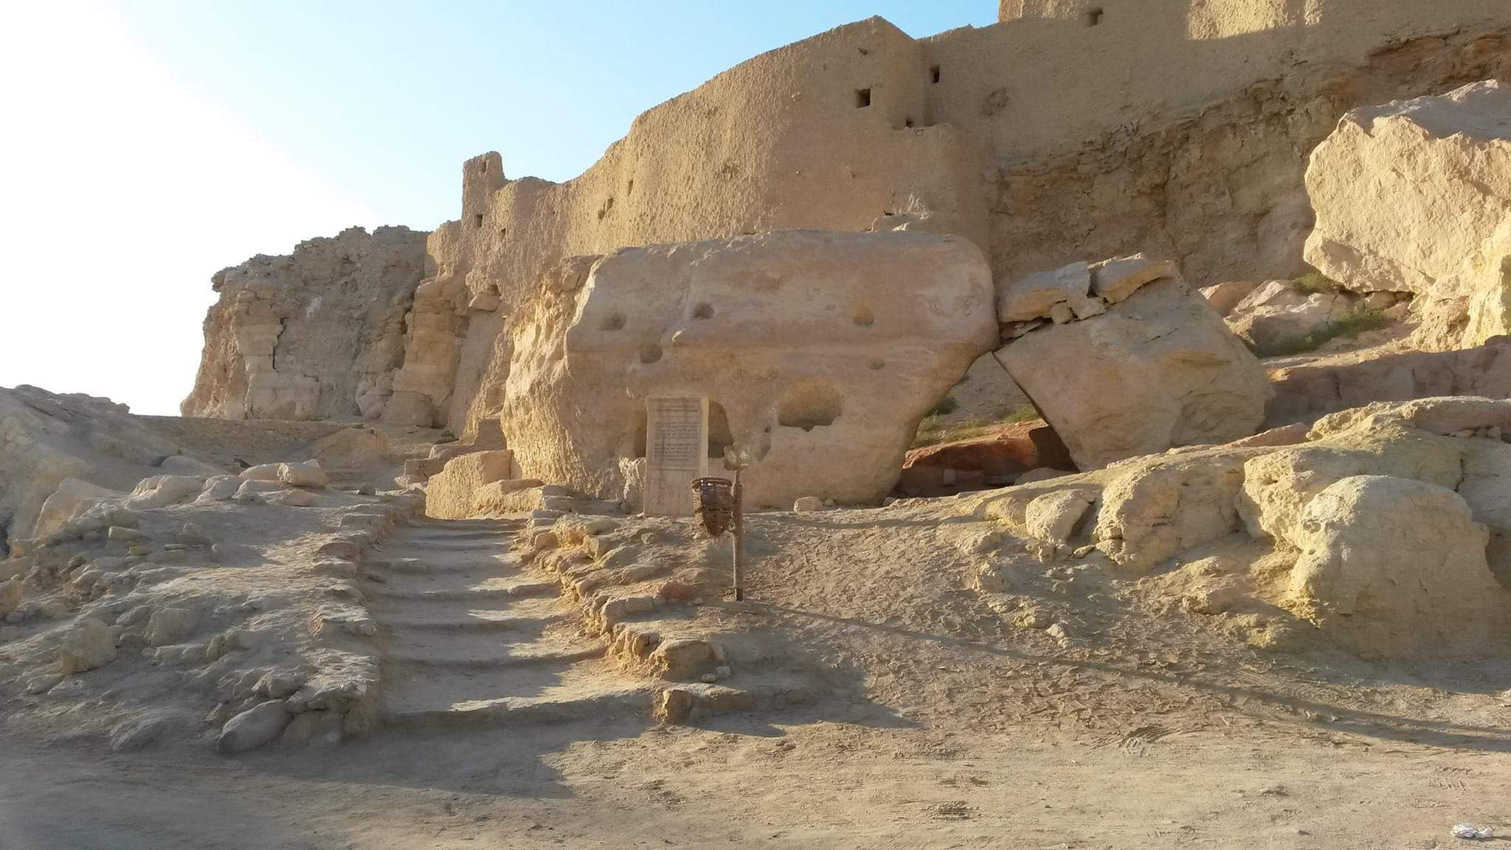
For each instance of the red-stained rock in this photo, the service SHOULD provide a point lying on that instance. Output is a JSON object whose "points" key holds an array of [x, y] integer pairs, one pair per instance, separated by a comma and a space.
{"points": [[993, 459]]}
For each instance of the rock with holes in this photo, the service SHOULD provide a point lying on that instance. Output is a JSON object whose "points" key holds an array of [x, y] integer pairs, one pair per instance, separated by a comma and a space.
{"points": [[820, 351], [1158, 369]]}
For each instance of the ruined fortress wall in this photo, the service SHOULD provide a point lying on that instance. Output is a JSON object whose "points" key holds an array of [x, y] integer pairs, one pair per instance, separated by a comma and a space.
{"points": [[1054, 78], [816, 134], [1057, 134]]}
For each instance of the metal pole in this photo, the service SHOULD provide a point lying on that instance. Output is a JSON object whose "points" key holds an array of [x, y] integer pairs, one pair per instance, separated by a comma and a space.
{"points": [[739, 537]]}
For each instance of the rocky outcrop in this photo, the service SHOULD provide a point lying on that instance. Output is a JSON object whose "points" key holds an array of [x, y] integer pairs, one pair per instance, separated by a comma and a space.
{"points": [[1393, 566], [1156, 369], [1306, 391], [316, 334], [47, 439], [1388, 527], [819, 350], [1415, 196]]}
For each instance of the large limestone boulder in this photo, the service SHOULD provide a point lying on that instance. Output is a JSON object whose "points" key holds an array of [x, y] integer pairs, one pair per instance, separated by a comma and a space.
{"points": [[821, 350], [1393, 566], [1415, 196], [1157, 369]]}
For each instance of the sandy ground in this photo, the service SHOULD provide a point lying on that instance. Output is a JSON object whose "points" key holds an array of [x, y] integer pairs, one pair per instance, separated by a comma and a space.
{"points": [[869, 781], [944, 725]]}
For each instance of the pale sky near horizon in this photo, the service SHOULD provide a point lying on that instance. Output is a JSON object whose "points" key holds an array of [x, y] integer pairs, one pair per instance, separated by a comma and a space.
{"points": [[151, 143]]}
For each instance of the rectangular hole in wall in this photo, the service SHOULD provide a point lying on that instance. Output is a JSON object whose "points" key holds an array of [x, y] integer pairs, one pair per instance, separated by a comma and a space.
{"points": [[862, 98], [934, 74], [477, 220], [1093, 16]]}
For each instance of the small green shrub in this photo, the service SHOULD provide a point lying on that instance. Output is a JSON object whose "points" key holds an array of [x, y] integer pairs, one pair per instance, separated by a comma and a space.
{"points": [[946, 405], [1314, 282], [1021, 413], [1347, 327]]}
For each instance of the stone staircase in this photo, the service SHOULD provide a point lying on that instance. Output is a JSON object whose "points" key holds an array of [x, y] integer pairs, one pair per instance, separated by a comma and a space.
{"points": [[474, 639]]}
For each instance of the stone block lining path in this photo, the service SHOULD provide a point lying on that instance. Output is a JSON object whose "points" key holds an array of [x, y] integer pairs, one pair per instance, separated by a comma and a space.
{"points": [[475, 638]]}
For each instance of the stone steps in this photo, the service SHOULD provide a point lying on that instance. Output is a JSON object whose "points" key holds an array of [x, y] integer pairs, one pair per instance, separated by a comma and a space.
{"points": [[492, 590], [428, 564], [473, 640]]}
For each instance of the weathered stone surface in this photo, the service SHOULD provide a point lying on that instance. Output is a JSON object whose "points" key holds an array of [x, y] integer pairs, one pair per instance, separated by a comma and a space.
{"points": [[1037, 295], [307, 473], [452, 493], [313, 335], [46, 438], [11, 592], [1154, 508], [170, 625], [1055, 516], [1307, 391], [990, 460], [511, 495], [163, 490], [86, 645], [1276, 314], [261, 472], [1119, 277], [1392, 566], [72, 498], [1223, 297], [1159, 369], [255, 489], [218, 488], [1415, 196], [828, 348], [253, 728], [1278, 485]]}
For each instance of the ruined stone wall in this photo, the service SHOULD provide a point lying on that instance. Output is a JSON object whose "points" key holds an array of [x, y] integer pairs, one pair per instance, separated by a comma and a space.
{"points": [[312, 335], [1073, 128], [1182, 129], [827, 133]]}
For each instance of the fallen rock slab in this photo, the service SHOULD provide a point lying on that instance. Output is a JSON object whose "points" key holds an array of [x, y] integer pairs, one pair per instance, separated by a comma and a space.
{"points": [[1159, 369]]}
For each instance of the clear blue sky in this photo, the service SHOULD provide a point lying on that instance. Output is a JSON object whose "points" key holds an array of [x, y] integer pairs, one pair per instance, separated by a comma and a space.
{"points": [[155, 142], [385, 99]]}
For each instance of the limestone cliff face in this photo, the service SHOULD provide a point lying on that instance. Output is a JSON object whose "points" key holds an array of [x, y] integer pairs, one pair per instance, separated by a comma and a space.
{"points": [[316, 334]]}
